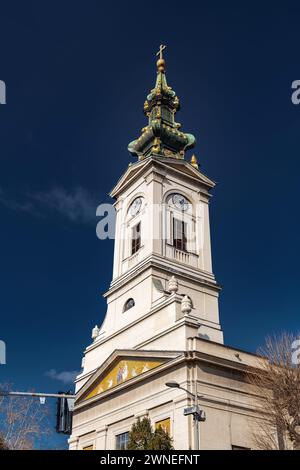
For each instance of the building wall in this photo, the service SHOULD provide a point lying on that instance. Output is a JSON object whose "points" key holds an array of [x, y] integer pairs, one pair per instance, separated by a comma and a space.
{"points": [[225, 397], [157, 323]]}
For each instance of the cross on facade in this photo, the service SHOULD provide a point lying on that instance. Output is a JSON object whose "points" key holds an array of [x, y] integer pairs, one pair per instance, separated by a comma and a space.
{"points": [[160, 52]]}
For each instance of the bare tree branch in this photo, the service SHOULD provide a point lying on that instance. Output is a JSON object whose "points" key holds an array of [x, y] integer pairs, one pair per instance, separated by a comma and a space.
{"points": [[277, 381], [23, 421]]}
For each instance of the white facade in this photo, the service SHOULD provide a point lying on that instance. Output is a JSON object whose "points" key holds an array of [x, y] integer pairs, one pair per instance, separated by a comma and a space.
{"points": [[172, 323], [144, 275], [226, 399]]}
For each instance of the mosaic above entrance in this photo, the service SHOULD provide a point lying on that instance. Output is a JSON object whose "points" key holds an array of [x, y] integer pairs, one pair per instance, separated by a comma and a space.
{"points": [[123, 371]]}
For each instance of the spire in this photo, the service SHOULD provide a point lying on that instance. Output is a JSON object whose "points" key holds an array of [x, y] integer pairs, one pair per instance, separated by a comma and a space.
{"points": [[162, 136]]}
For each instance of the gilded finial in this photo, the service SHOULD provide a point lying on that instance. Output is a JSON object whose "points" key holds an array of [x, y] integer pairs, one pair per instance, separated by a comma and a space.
{"points": [[161, 61], [194, 162]]}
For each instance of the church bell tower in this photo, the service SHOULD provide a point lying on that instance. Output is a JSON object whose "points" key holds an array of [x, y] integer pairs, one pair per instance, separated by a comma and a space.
{"points": [[163, 292]]}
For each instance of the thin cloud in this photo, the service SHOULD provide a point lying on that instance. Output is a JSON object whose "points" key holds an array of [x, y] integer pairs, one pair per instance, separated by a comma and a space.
{"points": [[78, 206], [66, 377], [16, 205]]}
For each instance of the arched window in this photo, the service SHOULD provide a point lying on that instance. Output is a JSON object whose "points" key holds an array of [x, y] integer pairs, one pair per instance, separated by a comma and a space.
{"points": [[180, 224], [179, 234], [136, 238], [128, 304]]}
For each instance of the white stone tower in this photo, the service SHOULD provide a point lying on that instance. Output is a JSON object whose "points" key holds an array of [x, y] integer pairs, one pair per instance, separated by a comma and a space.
{"points": [[162, 305], [162, 232]]}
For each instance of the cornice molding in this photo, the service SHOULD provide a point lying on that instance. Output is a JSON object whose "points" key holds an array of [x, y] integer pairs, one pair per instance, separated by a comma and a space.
{"points": [[169, 267], [179, 358]]}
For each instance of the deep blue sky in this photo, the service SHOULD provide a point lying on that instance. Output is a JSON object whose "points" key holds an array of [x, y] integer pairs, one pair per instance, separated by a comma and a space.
{"points": [[77, 74]]}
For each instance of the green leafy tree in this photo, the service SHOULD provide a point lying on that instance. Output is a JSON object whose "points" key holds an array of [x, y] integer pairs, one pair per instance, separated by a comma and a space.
{"points": [[142, 437]]}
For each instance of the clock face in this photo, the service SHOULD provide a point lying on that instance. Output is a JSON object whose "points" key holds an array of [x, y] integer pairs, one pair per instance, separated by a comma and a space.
{"points": [[135, 206], [180, 202]]}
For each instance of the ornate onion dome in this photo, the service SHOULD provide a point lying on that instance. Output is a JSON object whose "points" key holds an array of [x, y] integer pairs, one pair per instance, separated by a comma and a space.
{"points": [[162, 136]]}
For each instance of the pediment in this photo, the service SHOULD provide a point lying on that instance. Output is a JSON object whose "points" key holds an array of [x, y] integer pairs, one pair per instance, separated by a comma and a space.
{"points": [[121, 368], [135, 170], [187, 169]]}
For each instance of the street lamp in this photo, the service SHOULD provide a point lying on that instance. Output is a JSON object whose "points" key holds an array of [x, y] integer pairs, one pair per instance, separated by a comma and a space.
{"points": [[173, 384], [198, 415]]}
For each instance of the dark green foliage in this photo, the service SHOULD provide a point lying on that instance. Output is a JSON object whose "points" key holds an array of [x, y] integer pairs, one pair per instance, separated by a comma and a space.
{"points": [[142, 437], [161, 440]]}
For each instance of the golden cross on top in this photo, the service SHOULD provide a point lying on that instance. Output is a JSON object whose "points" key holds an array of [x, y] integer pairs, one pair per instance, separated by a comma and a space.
{"points": [[160, 52]]}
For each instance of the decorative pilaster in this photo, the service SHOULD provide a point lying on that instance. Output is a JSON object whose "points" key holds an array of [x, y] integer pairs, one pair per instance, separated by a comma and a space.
{"points": [[101, 438], [73, 443]]}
